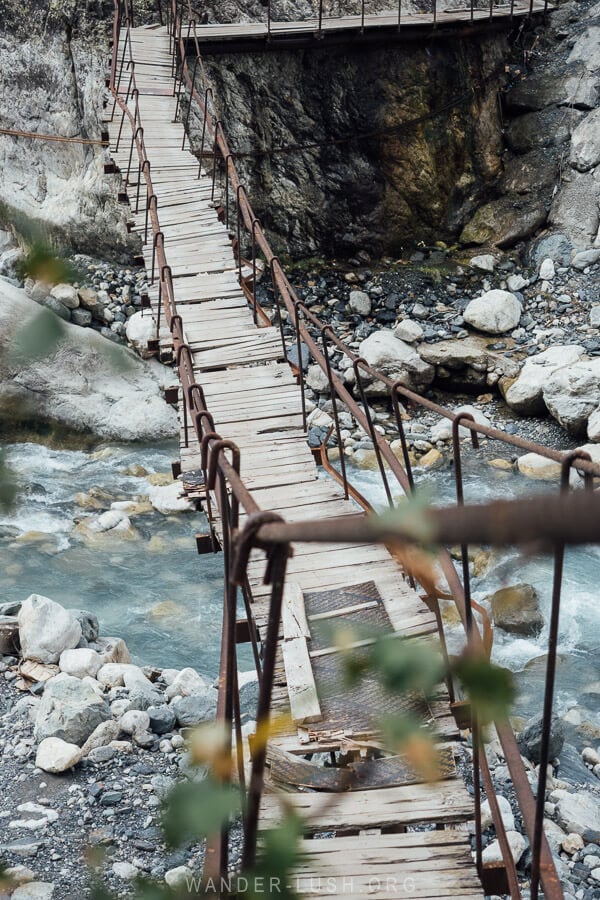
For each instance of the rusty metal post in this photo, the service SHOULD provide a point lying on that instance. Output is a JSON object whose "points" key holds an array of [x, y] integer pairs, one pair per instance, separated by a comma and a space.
{"points": [[400, 425], [297, 307], [186, 124], [356, 366], [460, 502], [324, 330], [255, 222], [214, 171], [399, 14], [275, 261], [559, 555]]}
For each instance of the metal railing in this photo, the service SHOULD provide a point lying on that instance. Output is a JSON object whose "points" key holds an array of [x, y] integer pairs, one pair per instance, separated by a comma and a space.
{"points": [[564, 520]]}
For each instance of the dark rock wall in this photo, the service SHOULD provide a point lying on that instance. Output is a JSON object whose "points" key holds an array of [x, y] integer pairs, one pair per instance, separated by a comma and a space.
{"points": [[409, 139]]}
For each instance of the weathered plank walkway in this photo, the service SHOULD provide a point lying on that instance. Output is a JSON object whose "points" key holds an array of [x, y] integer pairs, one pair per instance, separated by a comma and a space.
{"points": [[246, 36], [253, 396]]}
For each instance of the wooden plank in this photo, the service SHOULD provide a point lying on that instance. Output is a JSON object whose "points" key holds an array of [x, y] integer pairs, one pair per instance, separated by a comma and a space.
{"points": [[293, 613], [304, 702]]}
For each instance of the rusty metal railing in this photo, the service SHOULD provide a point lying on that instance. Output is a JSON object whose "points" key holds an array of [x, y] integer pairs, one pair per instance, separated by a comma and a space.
{"points": [[220, 464]]}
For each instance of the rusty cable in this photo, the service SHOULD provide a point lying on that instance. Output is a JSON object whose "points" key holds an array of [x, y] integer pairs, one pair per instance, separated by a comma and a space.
{"points": [[13, 132]]}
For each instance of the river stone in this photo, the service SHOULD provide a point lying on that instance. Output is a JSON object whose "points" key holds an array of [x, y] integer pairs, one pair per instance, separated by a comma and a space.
{"points": [[547, 271], [46, 629], [572, 394], [58, 308], [585, 143], [525, 394], [556, 246], [134, 720], [485, 262], [532, 465], [395, 359], [517, 843], [112, 650], [495, 312], [112, 674], [195, 709], [517, 610], [593, 426], [166, 499], [162, 719], [529, 738], [442, 430], [141, 328], [80, 662], [34, 890], [90, 627], [585, 258], [54, 755], [317, 380], [506, 813], [102, 735], [9, 635], [360, 303], [67, 295], [577, 813], [516, 283], [186, 682], [408, 331], [70, 709], [178, 877]]}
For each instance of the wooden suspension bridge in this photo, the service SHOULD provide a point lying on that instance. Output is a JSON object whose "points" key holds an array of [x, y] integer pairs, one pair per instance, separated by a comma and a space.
{"points": [[387, 833]]}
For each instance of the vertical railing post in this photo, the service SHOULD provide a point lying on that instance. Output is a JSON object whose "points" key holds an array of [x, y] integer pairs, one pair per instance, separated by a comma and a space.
{"points": [[336, 420]]}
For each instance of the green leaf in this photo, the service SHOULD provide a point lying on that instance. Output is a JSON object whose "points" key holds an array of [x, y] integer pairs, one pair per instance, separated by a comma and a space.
{"points": [[8, 485], [199, 809], [407, 665], [37, 337], [490, 688]]}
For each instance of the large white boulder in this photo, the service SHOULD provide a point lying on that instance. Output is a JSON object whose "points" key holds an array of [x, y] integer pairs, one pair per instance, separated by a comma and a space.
{"points": [[166, 500], [392, 357], [495, 312], [55, 755], [572, 394], [70, 709], [46, 629], [186, 683], [84, 382], [578, 812], [141, 328], [80, 662], [525, 395]]}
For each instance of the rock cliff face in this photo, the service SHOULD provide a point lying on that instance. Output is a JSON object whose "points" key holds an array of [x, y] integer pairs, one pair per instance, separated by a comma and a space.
{"points": [[407, 140], [52, 68]]}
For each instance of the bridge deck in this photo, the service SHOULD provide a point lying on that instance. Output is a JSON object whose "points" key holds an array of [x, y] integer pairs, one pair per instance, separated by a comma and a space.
{"points": [[248, 36], [255, 401]]}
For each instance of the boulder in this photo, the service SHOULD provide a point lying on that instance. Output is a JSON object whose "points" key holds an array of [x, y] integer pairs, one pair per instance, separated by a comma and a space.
{"points": [[90, 627], [408, 331], [112, 523], [134, 720], [88, 298], [178, 877], [442, 431], [517, 609], [9, 635], [506, 813], [316, 379], [162, 719], [577, 813], [101, 736], [572, 394], [55, 755], [80, 662], [516, 842], [166, 499], [70, 709], [532, 465], [67, 295], [529, 738], [516, 283], [197, 708], [35, 890], [495, 312], [457, 354], [547, 271], [485, 262], [141, 328], [112, 650], [575, 209], [81, 317], [360, 303], [585, 258], [585, 143], [112, 674], [58, 308], [525, 395], [46, 629], [186, 683], [84, 382], [395, 359], [593, 426], [555, 246]]}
